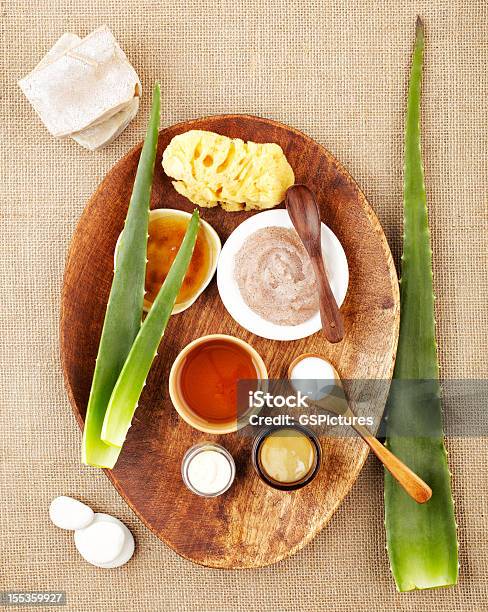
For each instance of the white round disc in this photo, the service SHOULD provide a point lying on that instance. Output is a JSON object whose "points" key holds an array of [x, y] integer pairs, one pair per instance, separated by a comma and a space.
{"points": [[106, 543], [69, 513]]}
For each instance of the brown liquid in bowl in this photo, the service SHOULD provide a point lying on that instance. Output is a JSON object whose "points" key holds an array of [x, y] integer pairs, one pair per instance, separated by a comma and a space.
{"points": [[209, 379], [165, 237]]}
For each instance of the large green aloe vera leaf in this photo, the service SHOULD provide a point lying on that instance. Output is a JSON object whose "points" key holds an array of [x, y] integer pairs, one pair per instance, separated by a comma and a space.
{"points": [[126, 393], [421, 539], [124, 309]]}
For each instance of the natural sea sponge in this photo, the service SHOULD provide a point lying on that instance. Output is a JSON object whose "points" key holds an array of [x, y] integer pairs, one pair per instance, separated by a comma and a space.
{"points": [[211, 169]]}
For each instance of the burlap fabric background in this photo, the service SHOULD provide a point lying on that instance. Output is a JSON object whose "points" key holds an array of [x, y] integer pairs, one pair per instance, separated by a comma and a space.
{"points": [[338, 71]]}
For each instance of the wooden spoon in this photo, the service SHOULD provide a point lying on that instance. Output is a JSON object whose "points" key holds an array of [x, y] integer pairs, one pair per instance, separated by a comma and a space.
{"points": [[338, 404], [305, 216]]}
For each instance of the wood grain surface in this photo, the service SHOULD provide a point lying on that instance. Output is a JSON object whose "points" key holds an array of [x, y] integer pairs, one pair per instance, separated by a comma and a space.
{"points": [[251, 525]]}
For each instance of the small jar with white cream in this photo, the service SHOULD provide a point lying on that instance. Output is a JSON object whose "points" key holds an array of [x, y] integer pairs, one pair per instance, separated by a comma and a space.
{"points": [[208, 469]]}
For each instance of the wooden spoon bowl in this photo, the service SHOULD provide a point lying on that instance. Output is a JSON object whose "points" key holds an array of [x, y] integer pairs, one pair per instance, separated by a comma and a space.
{"points": [[251, 525], [305, 215]]}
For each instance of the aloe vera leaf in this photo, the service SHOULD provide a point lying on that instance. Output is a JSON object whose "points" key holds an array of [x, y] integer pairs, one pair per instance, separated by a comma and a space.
{"points": [[124, 309], [421, 539], [126, 393]]}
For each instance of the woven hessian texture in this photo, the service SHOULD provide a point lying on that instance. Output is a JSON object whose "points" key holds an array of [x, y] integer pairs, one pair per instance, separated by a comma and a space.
{"points": [[337, 71]]}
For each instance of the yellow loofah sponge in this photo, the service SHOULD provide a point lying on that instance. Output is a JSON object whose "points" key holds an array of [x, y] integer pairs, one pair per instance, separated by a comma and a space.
{"points": [[211, 169]]}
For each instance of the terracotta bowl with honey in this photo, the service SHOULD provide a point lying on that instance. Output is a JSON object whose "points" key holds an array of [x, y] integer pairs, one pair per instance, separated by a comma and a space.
{"points": [[167, 227], [210, 380]]}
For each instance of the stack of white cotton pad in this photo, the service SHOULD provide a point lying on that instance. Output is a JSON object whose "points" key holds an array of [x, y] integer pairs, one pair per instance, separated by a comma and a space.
{"points": [[101, 539], [85, 89]]}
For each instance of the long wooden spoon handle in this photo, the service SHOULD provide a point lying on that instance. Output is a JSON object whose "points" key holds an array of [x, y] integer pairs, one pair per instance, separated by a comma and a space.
{"points": [[330, 315], [411, 483]]}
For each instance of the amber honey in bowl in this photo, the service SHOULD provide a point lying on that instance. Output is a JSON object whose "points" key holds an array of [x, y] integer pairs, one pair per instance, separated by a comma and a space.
{"points": [[204, 382], [209, 379], [166, 234]]}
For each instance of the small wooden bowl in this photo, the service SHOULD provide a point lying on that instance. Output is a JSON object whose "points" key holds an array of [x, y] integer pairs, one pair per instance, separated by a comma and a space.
{"points": [[180, 406]]}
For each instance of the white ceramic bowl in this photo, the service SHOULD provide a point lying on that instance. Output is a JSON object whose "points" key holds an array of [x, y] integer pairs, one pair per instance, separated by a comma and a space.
{"points": [[215, 248], [335, 262]]}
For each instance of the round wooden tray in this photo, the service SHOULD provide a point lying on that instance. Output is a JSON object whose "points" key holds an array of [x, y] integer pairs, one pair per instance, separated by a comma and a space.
{"points": [[251, 525]]}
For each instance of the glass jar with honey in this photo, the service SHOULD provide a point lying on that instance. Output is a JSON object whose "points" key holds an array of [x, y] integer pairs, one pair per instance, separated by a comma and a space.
{"points": [[287, 458]]}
